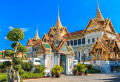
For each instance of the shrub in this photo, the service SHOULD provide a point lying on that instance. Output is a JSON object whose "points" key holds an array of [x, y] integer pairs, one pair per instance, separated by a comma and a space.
{"points": [[93, 71], [3, 77], [74, 71], [27, 66], [80, 67], [89, 66], [31, 75], [40, 69], [21, 72], [57, 69], [2, 68]]}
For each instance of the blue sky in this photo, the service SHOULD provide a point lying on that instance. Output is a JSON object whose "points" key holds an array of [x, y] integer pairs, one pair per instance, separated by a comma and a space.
{"points": [[74, 14]]}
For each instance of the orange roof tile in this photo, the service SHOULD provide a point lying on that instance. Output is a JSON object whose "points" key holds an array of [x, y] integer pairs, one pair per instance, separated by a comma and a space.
{"points": [[77, 32]]}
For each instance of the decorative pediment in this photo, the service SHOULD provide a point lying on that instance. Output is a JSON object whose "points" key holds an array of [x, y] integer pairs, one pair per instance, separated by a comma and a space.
{"points": [[51, 31], [64, 48], [40, 50], [91, 25], [45, 37], [110, 27]]}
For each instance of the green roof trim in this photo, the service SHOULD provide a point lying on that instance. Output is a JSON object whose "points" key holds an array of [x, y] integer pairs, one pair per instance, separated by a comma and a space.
{"points": [[46, 45], [72, 52], [70, 49], [49, 50]]}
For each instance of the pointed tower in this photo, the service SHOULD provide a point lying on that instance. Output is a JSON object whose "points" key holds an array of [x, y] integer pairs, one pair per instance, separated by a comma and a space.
{"points": [[58, 24], [58, 36], [36, 36], [98, 16]]}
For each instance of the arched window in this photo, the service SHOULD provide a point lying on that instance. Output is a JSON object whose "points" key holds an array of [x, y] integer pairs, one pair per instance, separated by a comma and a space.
{"points": [[79, 41], [68, 43], [83, 41], [71, 42], [75, 42], [93, 39]]}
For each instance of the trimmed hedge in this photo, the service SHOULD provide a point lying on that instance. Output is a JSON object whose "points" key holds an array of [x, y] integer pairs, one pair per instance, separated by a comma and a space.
{"points": [[3, 77], [26, 75], [93, 71], [31, 75]]}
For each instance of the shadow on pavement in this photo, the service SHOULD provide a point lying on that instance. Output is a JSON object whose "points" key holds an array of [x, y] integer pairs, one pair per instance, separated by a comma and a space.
{"points": [[112, 79]]}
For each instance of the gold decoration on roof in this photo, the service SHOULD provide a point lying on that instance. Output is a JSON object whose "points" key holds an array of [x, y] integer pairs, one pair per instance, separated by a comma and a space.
{"points": [[105, 36], [36, 36], [58, 24], [98, 16]]}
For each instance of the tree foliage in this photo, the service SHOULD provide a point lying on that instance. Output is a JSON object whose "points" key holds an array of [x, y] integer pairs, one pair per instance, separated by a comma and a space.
{"points": [[14, 44], [17, 67], [6, 64], [22, 49], [15, 35], [9, 52], [17, 61]]}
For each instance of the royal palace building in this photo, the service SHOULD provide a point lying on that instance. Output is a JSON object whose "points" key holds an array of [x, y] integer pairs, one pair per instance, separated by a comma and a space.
{"points": [[98, 41], [52, 48], [83, 41]]}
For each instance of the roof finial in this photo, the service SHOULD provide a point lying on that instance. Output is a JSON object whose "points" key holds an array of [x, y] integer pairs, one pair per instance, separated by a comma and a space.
{"points": [[36, 35], [58, 13], [99, 16], [97, 5]]}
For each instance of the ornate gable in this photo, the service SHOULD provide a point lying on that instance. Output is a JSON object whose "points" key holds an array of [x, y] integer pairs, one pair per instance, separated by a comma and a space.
{"points": [[109, 27], [45, 38], [64, 48], [91, 25]]}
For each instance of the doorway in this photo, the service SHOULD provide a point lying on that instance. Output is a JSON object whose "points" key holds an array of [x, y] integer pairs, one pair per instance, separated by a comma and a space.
{"points": [[63, 63]]}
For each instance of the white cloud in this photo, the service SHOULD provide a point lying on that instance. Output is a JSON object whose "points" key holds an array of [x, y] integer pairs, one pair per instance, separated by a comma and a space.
{"points": [[23, 29], [5, 38], [10, 27]]}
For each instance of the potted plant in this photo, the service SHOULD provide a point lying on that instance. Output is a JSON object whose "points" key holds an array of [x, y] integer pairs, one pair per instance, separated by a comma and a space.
{"points": [[74, 71], [56, 70], [80, 69]]}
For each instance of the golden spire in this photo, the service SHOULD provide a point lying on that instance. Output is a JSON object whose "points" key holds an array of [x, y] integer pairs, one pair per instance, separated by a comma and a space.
{"points": [[98, 16], [58, 24], [97, 6], [36, 35], [58, 14]]}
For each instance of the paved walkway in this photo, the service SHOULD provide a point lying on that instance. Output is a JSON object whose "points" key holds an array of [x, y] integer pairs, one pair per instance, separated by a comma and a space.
{"points": [[111, 77]]}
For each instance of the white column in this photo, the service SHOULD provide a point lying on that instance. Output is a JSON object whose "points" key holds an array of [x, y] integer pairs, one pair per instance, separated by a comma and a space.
{"points": [[67, 64], [58, 59], [45, 60]]}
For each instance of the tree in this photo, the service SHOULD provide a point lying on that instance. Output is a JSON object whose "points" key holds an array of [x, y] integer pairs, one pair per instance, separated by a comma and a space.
{"points": [[6, 65], [15, 35], [22, 49]]}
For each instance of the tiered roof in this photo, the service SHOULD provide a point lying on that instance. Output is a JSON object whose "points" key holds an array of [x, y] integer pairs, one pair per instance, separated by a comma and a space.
{"points": [[55, 34], [96, 24], [108, 44]]}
